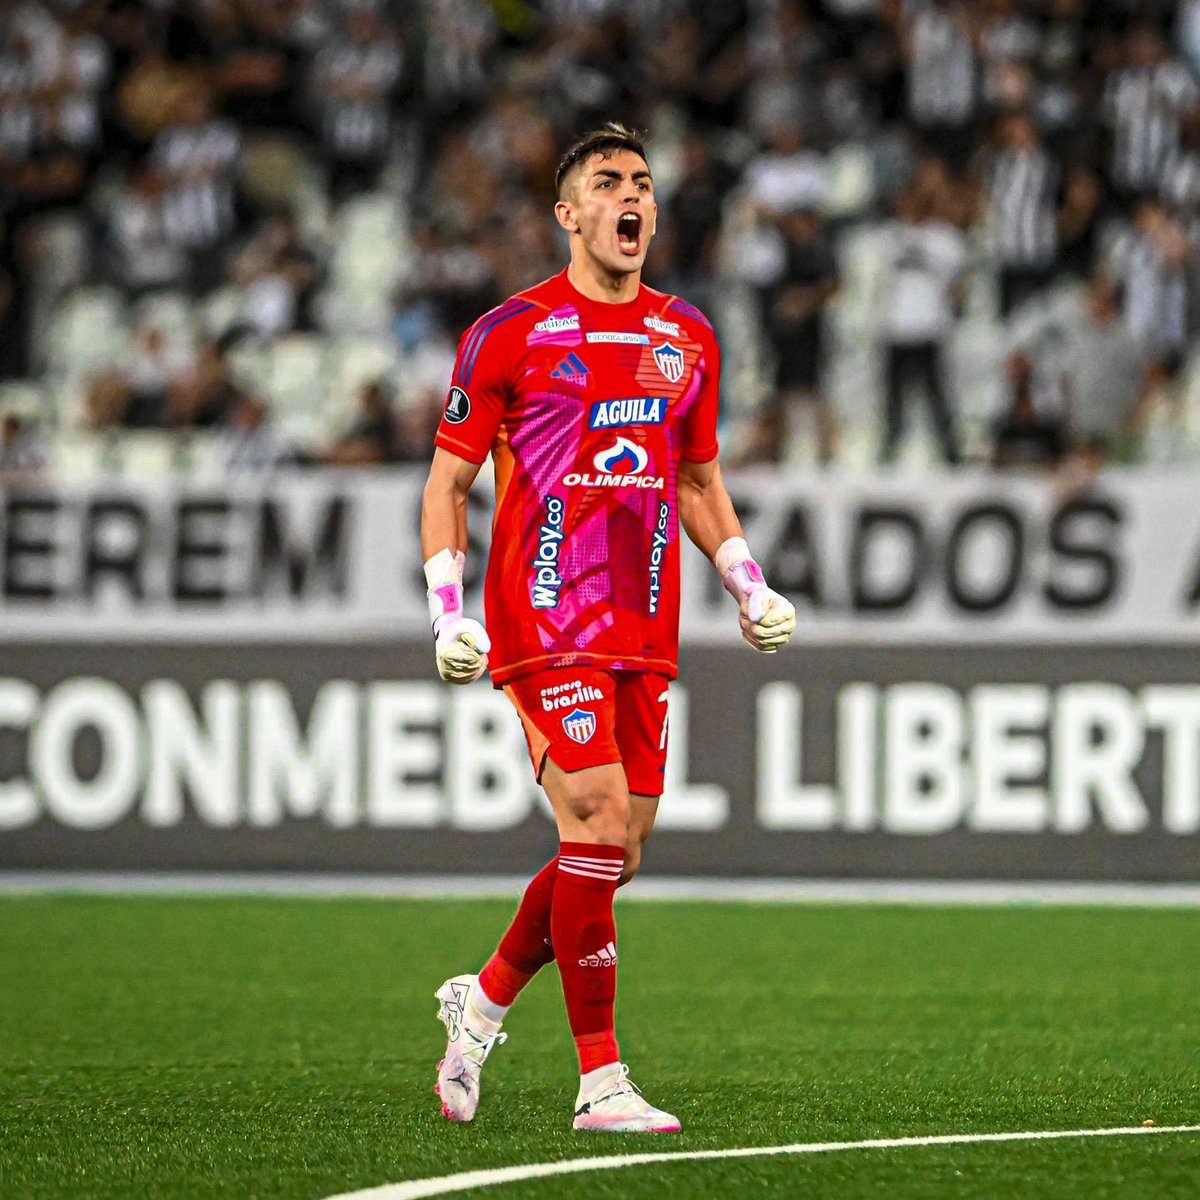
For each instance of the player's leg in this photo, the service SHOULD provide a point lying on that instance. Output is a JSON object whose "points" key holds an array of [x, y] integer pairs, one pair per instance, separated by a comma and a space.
{"points": [[592, 810], [473, 1007], [607, 1099], [596, 822]]}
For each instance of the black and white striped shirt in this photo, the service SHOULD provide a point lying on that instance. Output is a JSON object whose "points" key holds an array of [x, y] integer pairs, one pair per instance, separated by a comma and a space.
{"points": [[942, 74], [357, 127], [1022, 193], [198, 206], [1179, 185], [1156, 294], [1142, 106]]}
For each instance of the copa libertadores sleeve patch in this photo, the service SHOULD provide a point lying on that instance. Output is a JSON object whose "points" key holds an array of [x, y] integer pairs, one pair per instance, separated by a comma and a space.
{"points": [[458, 406]]}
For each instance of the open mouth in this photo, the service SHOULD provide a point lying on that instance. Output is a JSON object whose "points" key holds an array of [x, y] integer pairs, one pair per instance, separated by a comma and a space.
{"points": [[629, 233]]}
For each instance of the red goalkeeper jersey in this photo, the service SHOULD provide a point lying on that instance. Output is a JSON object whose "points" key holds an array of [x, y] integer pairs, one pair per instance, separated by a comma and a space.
{"points": [[586, 409]]}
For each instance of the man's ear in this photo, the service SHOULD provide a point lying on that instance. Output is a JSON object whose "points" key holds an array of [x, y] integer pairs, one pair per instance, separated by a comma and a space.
{"points": [[564, 211]]}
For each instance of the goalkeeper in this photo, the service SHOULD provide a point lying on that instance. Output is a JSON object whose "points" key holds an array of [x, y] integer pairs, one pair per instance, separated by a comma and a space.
{"points": [[596, 397]]}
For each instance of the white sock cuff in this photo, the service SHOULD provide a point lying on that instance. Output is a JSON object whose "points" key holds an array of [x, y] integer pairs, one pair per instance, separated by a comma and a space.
{"points": [[591, 1080], [486, 1009]]}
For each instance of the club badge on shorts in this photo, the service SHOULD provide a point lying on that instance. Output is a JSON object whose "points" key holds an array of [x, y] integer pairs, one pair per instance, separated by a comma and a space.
{"points": [[579, 725], [670, 361]]}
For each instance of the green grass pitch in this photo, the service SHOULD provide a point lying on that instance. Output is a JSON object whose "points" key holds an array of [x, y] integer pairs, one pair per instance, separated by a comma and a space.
{"points": [[240, 1048]]}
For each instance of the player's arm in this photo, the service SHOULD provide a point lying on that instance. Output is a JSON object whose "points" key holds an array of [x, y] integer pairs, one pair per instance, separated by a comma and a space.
{"points": [[460, 643], [767, 618]]}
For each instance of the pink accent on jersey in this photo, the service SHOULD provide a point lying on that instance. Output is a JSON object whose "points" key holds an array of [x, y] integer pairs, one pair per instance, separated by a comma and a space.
{"points": [[559, 328]]}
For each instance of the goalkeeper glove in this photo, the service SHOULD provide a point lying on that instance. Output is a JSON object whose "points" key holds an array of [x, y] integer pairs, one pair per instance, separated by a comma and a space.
{"points": [[767, 618], [461, 644]]}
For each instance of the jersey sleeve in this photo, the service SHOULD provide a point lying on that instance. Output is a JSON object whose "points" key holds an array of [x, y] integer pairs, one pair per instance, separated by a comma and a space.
{"points": [[479, 391], [700, 424]]}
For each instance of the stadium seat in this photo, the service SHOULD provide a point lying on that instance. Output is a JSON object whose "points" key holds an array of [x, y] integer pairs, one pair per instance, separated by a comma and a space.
{"points": [[369, 242], [171, 313], [357, 361], [87, 333], [296, 375], [25, 398], [77, 455], [147, 454]]}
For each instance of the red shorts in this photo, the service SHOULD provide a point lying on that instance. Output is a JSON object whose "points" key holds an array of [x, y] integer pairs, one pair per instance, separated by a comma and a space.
{"points": [[588, 716]]}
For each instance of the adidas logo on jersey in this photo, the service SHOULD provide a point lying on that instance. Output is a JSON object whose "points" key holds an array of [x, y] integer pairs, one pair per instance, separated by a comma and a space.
{"points": [[572, 369], [606, 956]]}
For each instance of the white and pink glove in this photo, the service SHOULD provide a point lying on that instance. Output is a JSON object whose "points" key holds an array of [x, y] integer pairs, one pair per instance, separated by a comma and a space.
{"points": [[767, 618], [460, 643]]}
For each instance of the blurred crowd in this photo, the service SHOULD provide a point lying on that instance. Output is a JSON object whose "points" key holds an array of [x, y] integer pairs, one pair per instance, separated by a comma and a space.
{"points": [[972, 226]]}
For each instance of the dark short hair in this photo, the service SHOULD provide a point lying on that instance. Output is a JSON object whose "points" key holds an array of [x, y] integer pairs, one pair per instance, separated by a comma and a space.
{"points": [[606, 141]]}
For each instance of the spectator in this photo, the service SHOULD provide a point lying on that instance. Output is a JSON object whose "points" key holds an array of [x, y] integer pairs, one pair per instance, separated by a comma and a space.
{"points": [[204, 396], [144, 255], [1143, 103], [834, 104], [694, 216], [136, 394], [1152, 261], [794, 318], [198, 155], [251, 442], [789, 174], [1102, 365], [353, 77], [943, 74], [373, 436], [1022, 188], [1023, 438], [925, 261], [21, 451], [153, 368], [277, 278], [1179, 189]]}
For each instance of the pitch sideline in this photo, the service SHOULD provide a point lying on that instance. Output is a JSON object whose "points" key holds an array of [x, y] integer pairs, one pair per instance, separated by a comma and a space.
{"points": [[334, 885], [444, 1185]]}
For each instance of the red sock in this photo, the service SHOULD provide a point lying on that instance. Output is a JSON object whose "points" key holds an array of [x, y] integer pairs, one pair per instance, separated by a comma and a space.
{"points": [[585, 945], [525, 947]]}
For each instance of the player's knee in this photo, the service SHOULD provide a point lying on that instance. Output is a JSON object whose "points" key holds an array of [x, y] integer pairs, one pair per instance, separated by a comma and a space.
{"points": [[607, 815]]}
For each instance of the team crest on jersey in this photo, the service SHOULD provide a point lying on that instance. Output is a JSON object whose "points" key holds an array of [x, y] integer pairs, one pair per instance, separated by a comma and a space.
{"points": [[458, 406], [670, 361], [579, 725]]}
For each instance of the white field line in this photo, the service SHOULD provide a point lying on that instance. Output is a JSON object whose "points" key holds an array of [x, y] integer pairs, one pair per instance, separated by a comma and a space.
{"points": [[453, 887], [447, 1184]]}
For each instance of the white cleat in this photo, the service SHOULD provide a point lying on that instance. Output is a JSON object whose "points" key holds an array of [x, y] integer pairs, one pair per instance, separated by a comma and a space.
{"points": [[616, 1106], [471, 1038]]}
